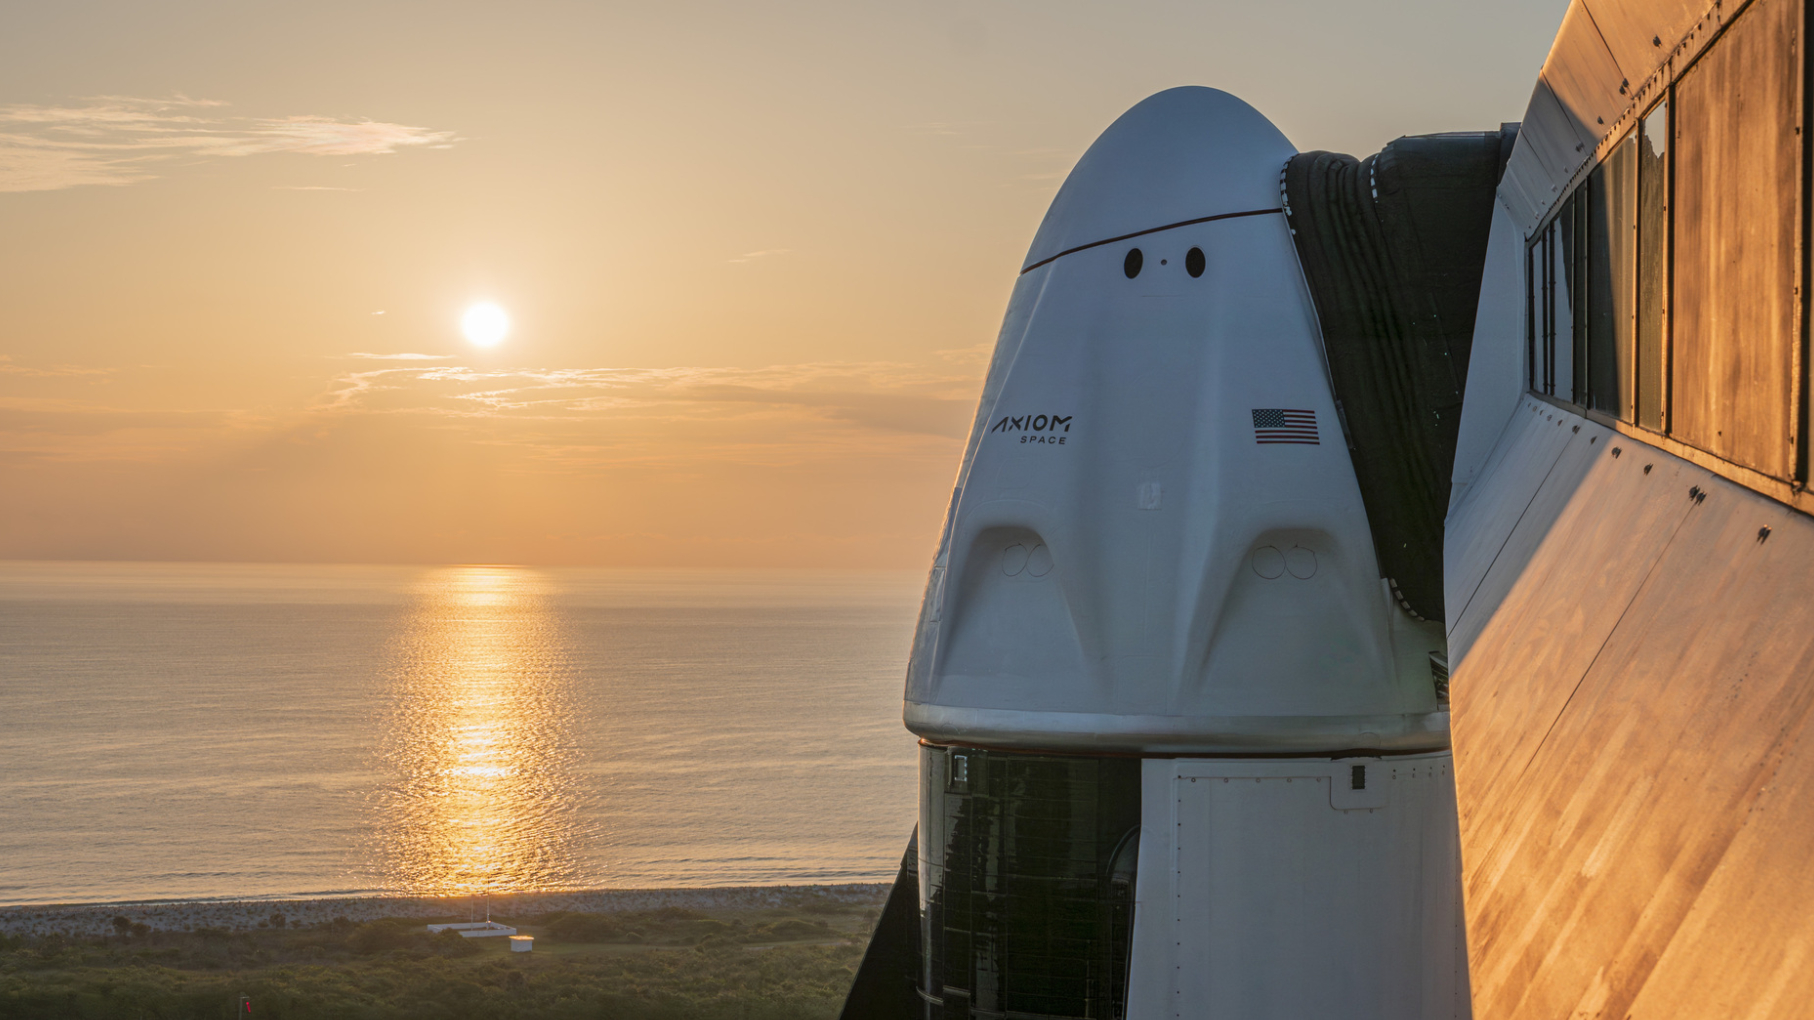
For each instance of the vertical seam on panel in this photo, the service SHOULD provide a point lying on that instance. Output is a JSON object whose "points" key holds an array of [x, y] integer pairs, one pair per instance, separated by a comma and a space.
{"points": [[1666, 342], [1802, 420]]}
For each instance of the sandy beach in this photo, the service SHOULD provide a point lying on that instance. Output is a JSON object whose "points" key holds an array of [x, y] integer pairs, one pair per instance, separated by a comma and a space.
{"points": [[242, 915]]}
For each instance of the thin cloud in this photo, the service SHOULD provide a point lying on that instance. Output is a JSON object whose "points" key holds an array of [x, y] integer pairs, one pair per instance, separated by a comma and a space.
{"points": [[875, 396], [309, 187], [679, 418], [48, 430], [9, 367], [976, 354], [948, 127], [120, 140], [749, 255]]}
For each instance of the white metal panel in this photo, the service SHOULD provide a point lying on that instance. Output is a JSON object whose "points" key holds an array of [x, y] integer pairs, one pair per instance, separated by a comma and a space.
{"points": [[1119, 451], [1574, 488], [1574, 140], [1522, 187], [1641, 34], [1548, 136], [1291, 894], [1634, 758], [1021, 302], [1584, 76], [1556, 593], [1478, 527], [1545, 136], [1496, 361], [1577, 442], [1150, 965], [1175, 156]]}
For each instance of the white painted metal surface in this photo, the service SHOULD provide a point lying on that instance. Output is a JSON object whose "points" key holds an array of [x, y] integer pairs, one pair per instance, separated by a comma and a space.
{"points": [[1125, 565], [1496, 369], [1274, 889], [1478, 528], [1179, 155]]}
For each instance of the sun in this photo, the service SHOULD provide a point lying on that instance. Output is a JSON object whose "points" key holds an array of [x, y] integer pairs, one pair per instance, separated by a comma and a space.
{"points": [[485, 324]]}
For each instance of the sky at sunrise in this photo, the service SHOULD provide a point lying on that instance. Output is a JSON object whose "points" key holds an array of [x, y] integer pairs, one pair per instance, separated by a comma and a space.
{"points": [[753, 256]]}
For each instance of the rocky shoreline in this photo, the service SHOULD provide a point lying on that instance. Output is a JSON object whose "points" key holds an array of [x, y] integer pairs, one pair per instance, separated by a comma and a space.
{"points": [[92, 919]]}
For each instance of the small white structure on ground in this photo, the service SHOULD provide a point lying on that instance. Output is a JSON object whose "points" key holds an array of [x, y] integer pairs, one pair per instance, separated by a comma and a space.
{"points": [[474, 929], [522, 943]]}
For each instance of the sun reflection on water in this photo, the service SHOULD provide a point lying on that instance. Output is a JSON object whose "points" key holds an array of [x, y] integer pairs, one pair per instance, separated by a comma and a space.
{"points": [[483, 794]]}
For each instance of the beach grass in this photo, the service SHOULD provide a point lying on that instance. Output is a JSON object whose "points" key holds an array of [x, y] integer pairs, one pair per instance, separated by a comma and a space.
{"points": [[762, 963]]}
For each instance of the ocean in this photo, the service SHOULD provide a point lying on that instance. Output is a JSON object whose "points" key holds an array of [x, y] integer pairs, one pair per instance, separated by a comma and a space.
{"points": [[173, 731]]}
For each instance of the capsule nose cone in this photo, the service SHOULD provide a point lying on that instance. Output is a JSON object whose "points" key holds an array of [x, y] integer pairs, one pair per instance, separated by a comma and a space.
{"points": [[1180, 155]]}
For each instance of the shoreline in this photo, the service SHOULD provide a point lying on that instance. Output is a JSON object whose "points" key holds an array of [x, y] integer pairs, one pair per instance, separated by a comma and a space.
{"points": [[95, 919]]}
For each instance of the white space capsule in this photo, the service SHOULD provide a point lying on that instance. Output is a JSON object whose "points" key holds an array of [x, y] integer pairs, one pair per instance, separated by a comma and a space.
{"points": [[1183, 755]]}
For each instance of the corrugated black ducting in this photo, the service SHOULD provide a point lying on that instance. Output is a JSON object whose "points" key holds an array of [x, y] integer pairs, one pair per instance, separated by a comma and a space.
{"points": [[1392, 247]]}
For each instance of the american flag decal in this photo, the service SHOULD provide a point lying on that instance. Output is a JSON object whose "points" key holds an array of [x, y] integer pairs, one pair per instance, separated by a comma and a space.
{"points": [[1284, 425]]}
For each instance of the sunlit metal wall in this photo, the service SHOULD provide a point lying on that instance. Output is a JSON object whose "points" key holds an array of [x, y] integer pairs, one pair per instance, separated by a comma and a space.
{"points": [[1629, 570]]}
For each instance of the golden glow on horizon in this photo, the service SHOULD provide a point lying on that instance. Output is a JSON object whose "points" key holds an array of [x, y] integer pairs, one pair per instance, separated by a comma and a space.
{"points": [[483, 796], [485, 324], [193, 368]]}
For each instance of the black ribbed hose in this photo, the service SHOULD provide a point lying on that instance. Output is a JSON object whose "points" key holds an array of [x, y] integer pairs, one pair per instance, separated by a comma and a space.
{"points": [[1392, 247]]}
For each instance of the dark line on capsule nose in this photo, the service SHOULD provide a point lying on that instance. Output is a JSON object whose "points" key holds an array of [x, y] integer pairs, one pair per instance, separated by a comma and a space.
{"points": [[1149, 230]]}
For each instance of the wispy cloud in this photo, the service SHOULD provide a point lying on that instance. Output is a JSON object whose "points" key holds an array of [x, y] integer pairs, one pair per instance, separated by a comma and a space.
{"points": [[117, 140], [817, 464], [775, 414], [309, 187], [975, 354], [9, 367], [548, 419], [948, 127], [764, 253], [78, 431]]}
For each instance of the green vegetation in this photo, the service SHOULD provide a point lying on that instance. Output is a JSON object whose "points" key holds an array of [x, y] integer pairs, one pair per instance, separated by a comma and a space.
{"points": [[674, 926], [666, 964]]}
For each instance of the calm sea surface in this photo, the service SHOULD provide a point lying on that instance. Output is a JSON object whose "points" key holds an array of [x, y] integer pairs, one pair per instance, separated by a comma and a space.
{"points": [[190, 731]]}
